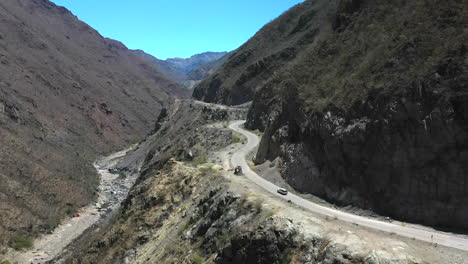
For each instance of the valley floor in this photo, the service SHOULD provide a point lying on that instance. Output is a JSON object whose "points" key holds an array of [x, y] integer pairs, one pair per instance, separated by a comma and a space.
{"points": [[113, 190]]}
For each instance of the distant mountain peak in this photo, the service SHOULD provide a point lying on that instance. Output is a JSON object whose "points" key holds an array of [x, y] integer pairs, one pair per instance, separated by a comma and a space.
{"points": [[189, 64], [188, 71]]}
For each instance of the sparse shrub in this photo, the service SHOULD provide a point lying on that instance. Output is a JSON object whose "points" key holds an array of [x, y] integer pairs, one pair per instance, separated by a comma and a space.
{"points": [[199, 160], [269, 213], [245, 197], [287, 256], [175, 249], [189, 223], [257, 205], [325, 242], [20, 242], [223, 238], [206, 170], [258, 133], [197, 259], [54, 222], [5, 262], [235, 139]]}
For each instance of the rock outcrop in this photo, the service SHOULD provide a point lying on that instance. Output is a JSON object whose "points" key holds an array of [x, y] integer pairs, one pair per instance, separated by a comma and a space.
{"points": [[164, 221]]}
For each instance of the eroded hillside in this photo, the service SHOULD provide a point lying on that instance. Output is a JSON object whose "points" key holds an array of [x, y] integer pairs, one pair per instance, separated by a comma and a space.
{"points": [[370, 111], [66, 95]]}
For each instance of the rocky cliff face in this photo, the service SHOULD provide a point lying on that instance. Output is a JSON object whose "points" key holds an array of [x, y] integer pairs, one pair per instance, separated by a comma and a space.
{"points": [[66, 95], [371, 111], [402, 156]]}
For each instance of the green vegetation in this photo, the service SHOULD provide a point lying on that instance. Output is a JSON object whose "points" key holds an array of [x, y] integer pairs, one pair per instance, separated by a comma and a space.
{"points": [[197, 259], [258, 205], [20, 242], [5, 262], [236, 139], [199, 160], [208, 170], [183, 208], [252, 201], [175, 249], [287, 256], [257, 132], [223, 238], [189, 223], [269, 213]]}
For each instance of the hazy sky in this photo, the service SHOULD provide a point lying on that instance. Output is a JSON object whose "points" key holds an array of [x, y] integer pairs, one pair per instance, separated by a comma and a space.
{"points": [[178, 28]]}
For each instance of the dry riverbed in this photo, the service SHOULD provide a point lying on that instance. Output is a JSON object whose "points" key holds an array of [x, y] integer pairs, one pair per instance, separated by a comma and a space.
{"points": [[113, 189]]}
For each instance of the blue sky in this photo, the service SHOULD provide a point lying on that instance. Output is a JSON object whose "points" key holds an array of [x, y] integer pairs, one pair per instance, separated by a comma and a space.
{"points": [[178, 28]]}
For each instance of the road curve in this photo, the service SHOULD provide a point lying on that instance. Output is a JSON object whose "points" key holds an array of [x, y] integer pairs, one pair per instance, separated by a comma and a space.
{"points": [[239, 159]]}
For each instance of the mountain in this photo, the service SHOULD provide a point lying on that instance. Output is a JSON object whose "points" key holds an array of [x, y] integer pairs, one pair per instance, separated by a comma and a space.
{"points": [[198, 60], [206, 69], [67, 95], [269, 51], [163, 66], [187, 71], [364, 103]]}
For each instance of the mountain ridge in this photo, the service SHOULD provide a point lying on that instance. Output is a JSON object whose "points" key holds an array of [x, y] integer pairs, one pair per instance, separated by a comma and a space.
{"points": [[67, 95], [188, 71]]}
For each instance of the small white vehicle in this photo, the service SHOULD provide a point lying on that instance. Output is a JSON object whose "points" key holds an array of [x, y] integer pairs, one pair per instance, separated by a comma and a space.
{"points": [[282, 191]]}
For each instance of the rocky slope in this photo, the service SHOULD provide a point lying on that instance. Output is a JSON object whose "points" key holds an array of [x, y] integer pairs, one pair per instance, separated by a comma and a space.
{"points": [[187, 215], [187, 71], [163, 66], [66, 95], [266, 53], [195, 212], [369, 107]]}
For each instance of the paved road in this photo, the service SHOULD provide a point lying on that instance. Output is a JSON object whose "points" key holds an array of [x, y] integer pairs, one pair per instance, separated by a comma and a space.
{"points": [[239, 159]]}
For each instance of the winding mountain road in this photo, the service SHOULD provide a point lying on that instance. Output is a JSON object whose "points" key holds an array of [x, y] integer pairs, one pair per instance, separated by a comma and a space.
{"points": [[239, 159]]}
